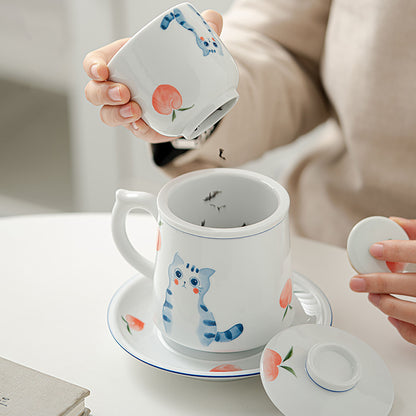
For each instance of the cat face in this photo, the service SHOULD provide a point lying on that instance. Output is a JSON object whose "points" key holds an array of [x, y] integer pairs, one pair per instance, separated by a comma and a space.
{"points": [[208, 44], [188, 277]]}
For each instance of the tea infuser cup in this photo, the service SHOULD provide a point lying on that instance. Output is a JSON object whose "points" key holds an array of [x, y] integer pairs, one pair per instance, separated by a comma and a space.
{"points": [[222, 273], [179, 71]]}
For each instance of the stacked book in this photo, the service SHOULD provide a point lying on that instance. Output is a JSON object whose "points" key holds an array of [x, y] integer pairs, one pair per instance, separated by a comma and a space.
{"points": [[27, 392]]}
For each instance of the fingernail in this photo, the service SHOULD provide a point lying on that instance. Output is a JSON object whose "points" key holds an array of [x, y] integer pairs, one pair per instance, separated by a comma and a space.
{"points": [[126, 111], [94, 71], [114, 93], [358, 284], [399, 220], [376, 250], [214, 26], [374, 298], [140, 127]]}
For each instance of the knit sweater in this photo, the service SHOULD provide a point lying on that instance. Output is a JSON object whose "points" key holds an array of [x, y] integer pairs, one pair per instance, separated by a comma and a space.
{"points": [[302, 62]]}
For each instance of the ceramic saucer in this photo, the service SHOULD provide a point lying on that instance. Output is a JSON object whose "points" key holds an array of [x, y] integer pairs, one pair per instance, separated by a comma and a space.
{"points": [[330, 370], [129, 319], [367, 232]]}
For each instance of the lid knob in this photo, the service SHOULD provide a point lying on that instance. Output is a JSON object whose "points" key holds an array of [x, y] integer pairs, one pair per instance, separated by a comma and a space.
{"points": [[332, 367]]}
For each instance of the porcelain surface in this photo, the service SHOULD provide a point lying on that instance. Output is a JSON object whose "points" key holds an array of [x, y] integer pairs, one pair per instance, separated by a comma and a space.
{"points": [[130, 322], [367, 232], [223, 244], [179, 71], [318, 370]]}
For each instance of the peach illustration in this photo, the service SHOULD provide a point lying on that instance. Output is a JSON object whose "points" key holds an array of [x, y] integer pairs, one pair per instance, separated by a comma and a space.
{"points": [[159, 242], [166, 99], [286, 295], [133, 323], [225, 368], [271, 362]]}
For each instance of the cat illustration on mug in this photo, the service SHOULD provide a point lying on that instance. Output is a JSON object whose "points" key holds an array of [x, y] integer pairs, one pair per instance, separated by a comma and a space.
{"points": [[205, 41], [186, 290]]}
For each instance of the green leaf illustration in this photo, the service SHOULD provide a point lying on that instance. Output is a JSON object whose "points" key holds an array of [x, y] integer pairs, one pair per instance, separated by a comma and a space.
{"points": [[173, 115], [185, 108], [288, 355], [128, 326], [284, 315], [291, 370]]}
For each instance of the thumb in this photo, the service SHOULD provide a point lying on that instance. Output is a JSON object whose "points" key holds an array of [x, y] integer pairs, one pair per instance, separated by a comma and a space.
{"points": [[408, 225], [214, 19]]}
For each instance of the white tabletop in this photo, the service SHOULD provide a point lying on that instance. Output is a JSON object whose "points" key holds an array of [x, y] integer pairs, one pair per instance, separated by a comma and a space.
{"points": [[58, 274]]}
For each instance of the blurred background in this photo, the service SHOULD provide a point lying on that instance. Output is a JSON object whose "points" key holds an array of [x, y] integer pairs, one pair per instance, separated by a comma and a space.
{"points": [[55, 153]]}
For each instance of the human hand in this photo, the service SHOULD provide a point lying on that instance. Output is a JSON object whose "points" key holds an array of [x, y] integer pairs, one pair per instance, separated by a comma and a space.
{"points": [[380, 286], [117, 107]]}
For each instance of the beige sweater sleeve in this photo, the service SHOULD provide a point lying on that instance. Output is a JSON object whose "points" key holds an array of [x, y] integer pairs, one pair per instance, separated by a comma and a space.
{"points": [[277, 45]]}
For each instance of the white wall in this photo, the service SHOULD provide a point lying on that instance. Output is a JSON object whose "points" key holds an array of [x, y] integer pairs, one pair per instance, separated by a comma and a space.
{"points": [[33, 43]]}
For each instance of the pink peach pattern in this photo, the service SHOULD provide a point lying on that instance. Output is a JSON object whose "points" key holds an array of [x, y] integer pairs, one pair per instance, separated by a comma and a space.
{"points": [[166, 99], [159, 241], [225, 368], [272, 362], [132, 323], [286, 297]]}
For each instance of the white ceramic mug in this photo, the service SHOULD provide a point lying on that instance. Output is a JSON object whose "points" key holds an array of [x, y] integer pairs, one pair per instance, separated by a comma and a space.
{"points": [[222, 274], [179, 71]]}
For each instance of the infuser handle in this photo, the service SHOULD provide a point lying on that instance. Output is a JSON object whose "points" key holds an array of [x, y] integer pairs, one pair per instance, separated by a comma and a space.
{"points": [[125, 202]]}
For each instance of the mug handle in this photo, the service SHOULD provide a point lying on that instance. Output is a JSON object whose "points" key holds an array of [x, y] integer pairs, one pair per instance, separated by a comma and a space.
{"points": [[125, 202]]}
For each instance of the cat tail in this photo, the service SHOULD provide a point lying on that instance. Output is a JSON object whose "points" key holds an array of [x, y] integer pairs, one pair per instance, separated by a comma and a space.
{"points": [[166, 21], [180, 18], [167, 312], [234, 332], [207, 328]]}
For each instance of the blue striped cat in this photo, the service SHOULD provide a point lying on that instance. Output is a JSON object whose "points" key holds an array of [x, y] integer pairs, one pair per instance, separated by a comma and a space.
{"points": [[205, 41], [186, 290]]}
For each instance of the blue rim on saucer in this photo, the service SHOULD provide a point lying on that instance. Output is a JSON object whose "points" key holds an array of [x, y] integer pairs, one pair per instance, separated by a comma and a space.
{"points": [[129, 319]]}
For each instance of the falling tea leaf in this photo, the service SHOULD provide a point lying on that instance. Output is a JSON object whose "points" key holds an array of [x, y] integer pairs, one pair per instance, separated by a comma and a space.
{"points": [[218, 207], [221, 151], [211, 195]]}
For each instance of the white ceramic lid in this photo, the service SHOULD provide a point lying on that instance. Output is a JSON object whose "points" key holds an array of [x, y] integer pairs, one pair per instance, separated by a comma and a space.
{"points": [[363, 235], [318, 370]]}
